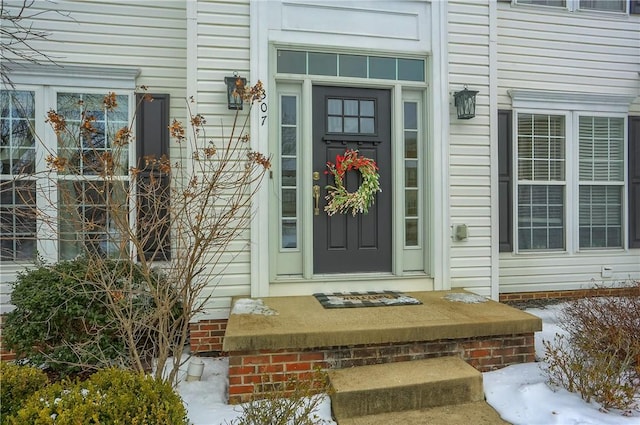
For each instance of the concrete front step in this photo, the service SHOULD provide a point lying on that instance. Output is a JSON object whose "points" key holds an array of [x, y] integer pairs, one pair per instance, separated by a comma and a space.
{"points": [[402, 386], [477, 413]]}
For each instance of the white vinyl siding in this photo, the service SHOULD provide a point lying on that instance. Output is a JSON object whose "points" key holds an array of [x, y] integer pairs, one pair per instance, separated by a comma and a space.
{"points": [[103, 37], [555, 49], [220, 48], [470, 149]]}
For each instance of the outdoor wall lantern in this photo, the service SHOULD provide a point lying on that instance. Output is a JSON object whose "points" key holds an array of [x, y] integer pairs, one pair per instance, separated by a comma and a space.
{"points": [[235, 88], [465, 102]]}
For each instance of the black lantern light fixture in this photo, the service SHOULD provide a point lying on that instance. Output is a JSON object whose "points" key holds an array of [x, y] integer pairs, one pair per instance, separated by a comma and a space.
{"points": [[465, 102], [235, 90]]}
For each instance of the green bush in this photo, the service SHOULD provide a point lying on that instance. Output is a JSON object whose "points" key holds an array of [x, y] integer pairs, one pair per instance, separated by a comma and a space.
{"points": [[111, 396], [17, 384], [599, 357], [63, 318]]}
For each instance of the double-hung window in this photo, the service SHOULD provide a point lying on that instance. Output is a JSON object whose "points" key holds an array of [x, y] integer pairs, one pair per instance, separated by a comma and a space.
{"points": [[569, 181], [63, 209]]}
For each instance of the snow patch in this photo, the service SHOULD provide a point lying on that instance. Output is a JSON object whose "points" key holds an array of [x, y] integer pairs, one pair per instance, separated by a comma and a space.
{"points": [[252, 306], [465, 298]]}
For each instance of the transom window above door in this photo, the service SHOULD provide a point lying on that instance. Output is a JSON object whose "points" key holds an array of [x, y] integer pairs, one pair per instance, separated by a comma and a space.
{"points": [[345, 65]]}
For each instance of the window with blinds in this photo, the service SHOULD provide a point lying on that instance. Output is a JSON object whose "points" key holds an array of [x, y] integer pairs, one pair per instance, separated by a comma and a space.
{"points": [[541, 143], [601, 181]]}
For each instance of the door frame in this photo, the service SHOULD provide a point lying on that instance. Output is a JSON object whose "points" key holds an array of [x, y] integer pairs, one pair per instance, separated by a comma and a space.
{"points": [[307, 282]]}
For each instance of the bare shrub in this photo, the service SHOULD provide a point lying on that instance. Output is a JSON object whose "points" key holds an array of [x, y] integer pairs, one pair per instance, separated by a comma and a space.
{"points": [[599, 357], [168, 221], [292, 402]]}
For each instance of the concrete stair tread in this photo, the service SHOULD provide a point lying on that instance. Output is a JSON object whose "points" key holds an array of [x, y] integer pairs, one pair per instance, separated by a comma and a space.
{"points": [[400, 374], [477, 413], [412, 385]]}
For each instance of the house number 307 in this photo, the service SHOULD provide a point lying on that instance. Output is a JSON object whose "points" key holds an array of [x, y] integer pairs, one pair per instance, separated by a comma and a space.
{"points": [[263, 115]]}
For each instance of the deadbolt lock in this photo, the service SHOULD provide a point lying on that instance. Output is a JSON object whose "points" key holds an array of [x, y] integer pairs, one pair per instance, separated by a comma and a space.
{"points": [[316, 176]]}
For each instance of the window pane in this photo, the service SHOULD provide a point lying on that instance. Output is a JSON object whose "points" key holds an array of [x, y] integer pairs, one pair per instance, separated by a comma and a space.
{"points": [[18, 215], [411, 144], [601, 142], [289, 172], [288, 202], [351, 107], [555, 3], [289, 110], [335, 125], [600, 216], [540, 217], [353, 66], [411, 203], [334, 106], [88, 213], [367, 126], [384, 68], [606, 5], [86, 146], [289, 234], [322, 64], [411, 69], [288, 141], [411, 174], [410, 115], [17, 150], [367, 108], [291, 62], [411, 232], [541, 147]]}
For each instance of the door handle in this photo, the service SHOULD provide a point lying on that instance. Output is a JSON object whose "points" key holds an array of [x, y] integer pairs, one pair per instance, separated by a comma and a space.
{"points": [[316, 196]]}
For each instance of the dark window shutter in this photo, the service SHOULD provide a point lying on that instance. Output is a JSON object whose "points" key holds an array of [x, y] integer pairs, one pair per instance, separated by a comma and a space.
{"points": [[505, 186], [152, 142], [634, 181], [634, 7]]}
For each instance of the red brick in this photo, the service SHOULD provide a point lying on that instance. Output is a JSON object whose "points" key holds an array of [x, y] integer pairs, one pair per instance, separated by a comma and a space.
{"points": [[285, 358], [298, 366], [475, 354], [251, 379], [271, 368], [240, 389], [310, 357], [235, 380], [249, 360], [241, 370]]}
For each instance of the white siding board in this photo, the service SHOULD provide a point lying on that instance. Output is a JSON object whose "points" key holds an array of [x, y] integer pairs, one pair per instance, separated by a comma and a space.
{"points": [[544, 49], [470, 204], [223, 48]]}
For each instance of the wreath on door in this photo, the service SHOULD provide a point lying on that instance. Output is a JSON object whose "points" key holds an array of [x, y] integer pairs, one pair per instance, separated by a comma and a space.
{"points": [[342, 201]]}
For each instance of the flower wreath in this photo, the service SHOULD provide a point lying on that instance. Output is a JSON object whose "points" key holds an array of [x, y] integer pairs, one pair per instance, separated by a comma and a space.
{"points": [[340, 200]]}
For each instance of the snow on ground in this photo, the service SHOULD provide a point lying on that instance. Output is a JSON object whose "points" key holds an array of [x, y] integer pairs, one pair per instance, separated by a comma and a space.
{"points": [[519, 393]]}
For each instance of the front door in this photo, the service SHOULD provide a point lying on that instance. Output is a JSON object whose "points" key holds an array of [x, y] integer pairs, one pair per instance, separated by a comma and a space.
{"points": [[358, 119]]}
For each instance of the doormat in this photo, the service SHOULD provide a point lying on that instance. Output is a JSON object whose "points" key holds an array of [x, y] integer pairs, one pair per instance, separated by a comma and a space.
{"points": [[364, 299]]}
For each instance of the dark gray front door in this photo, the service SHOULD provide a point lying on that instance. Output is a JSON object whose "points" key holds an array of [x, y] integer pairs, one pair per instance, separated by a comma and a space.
{"points": [[359, 119]]}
